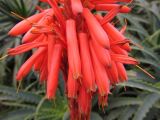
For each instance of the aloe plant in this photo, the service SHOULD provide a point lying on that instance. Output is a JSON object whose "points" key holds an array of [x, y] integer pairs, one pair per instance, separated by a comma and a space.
{"points": [[140, 100]]}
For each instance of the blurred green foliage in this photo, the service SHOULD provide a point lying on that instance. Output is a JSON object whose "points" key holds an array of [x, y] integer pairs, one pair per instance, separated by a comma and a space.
{"points": [[137, 99]]}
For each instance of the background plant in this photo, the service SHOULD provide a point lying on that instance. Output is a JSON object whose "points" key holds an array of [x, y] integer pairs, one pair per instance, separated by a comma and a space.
{"points": [[137, 99]]}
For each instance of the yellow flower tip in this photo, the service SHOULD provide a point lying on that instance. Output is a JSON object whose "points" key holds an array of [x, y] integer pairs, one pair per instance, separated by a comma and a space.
{"points": [[125, 20], [3, 57], [138, 45], [18, 16], [91, 90], [77, 76], [19, 85], [146, 72]]}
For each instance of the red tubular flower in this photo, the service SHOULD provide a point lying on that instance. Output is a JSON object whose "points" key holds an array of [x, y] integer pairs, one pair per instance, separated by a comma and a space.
{"points": [[91, 61], [73, 50], [44, 21], [122, 72], [26, 67], [87, 67], [38, 39], [43, 71], [25, 47], [96, 29], [51, 43], [114, 33], [102, 80], [123, 59], [53, 71], [30, 36], [38, 63], [108, 7], [25, 25], [112, 73]]}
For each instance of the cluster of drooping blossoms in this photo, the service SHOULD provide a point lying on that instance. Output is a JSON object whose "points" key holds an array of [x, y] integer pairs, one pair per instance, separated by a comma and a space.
{"points": [[86, 47]]}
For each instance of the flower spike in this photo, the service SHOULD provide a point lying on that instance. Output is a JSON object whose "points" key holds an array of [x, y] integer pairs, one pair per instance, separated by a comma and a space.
{"points": [[87, 47]]}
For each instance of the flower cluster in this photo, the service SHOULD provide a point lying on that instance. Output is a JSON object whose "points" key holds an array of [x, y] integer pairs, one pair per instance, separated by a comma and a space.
{"points": [[86, 47]]}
